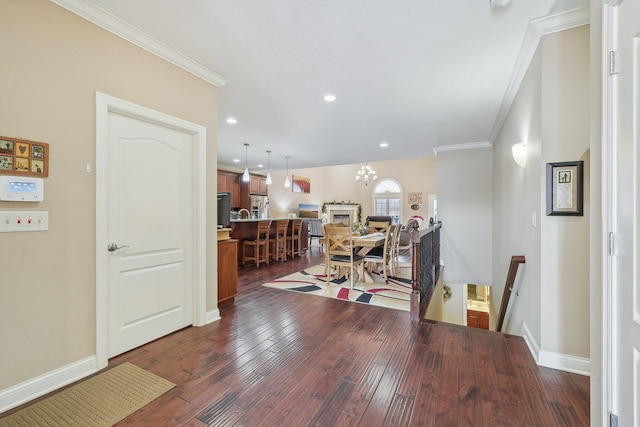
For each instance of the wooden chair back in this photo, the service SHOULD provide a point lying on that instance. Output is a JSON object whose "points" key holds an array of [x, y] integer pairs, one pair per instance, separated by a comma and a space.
{"points": [[379, 226], [382, 256], [340, 250]]}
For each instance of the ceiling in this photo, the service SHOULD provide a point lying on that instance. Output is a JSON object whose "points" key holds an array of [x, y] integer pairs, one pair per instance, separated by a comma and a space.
{"points": [[415, 73]]}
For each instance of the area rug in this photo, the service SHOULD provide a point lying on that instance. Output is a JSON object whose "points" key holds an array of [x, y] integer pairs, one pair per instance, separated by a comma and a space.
{"points": [[396, 294], [102, 400]]}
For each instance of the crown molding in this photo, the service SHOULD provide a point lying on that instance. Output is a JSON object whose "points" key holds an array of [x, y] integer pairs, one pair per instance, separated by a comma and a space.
{"points": [[535, 30], [466, 146], [120, 28]]}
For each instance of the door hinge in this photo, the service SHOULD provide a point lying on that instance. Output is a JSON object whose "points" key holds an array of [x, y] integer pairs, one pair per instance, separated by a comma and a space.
{"points": [[613, 420], [613, 63], [613, 244]]}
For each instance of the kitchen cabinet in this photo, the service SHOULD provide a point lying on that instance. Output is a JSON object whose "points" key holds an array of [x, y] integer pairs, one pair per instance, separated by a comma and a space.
{"points": [[227, 270], [229, 181], [258, 185], [478, 319]]}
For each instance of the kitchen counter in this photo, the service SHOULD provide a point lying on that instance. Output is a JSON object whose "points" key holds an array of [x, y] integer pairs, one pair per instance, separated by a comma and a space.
{"points": [[245, 229], [477, 305], [260, 219]]}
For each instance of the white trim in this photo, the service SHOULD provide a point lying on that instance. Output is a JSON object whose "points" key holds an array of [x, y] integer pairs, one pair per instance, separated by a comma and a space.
{"points": [[535, 30], [465, 146], [534, 347], [120, 28], [609, 377], [562, 362], [213, 316], [35, 387], [106, 104], [567, 363]]}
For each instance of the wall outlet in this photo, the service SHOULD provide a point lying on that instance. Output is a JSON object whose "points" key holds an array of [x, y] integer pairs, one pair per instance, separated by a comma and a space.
{"points": [[12, 221]]}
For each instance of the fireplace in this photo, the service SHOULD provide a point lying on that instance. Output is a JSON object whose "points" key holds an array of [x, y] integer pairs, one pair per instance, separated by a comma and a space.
{"points": [[347, 214]]}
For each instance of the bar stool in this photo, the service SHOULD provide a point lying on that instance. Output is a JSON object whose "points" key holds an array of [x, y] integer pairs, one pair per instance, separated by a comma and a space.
{"points": [[260, 244], [293, 238], [278, 245]]}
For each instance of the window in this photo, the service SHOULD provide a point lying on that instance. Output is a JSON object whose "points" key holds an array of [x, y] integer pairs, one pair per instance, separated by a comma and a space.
{"points": [[387, 199]]}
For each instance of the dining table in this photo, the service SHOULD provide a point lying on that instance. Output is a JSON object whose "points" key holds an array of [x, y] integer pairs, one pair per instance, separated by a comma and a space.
{"points": [[364, 244]]}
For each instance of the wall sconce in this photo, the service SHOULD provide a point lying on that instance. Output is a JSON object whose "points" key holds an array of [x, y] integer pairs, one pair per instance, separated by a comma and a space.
{"points": [[519, 153]]}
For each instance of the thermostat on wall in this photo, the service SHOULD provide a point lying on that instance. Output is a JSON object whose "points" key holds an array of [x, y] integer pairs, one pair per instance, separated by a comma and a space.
{"points": [[21, 189]]}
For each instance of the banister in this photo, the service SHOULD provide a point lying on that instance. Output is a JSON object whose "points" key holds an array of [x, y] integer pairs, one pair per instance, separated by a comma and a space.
{"points": [[516, 260], [425, 267]]}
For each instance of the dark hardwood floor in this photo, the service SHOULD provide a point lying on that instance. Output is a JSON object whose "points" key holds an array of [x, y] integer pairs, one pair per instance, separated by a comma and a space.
{"points": [[280, 358]]}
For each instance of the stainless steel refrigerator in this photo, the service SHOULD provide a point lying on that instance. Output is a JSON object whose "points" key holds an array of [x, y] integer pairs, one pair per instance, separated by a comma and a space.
{"points": [[259, 206]]}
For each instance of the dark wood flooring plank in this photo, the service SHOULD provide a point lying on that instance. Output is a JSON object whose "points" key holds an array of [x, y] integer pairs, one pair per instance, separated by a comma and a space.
{"points": [[363, 393], [426, 401], [447, 408], [469, 403]]}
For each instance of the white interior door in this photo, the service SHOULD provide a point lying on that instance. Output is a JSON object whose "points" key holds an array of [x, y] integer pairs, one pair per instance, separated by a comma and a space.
{"points": [[150, 231], [625, 310]]}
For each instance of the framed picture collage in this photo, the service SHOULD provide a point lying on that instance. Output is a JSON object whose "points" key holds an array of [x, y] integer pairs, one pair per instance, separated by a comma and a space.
{"points": [[23, 157]]}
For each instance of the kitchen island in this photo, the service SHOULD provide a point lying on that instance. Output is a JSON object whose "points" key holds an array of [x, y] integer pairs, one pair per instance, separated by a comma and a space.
{"points": [[244, 229]]}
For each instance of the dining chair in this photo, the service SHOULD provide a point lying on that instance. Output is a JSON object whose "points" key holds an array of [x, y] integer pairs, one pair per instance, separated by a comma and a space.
{"points": [[340, 252], [395, 249], [278, 245], [381, 255], [315, 231], [293, 238], [260, 244], [379, 226]]}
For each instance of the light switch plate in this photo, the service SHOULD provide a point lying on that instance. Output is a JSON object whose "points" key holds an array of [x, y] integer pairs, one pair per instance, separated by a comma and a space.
{"points": [[15, 221]]}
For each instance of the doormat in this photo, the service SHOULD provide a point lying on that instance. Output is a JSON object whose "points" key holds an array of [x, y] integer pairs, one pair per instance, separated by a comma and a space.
{"points": [[102, 400]]}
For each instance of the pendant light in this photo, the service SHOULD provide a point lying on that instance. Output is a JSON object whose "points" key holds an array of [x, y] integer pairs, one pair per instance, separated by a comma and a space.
{"points": [[268, 180], [245, 175], [287, 183]]}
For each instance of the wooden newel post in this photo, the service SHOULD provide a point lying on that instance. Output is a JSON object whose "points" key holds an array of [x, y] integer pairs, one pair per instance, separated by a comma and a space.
{"points": [[415, 272]]}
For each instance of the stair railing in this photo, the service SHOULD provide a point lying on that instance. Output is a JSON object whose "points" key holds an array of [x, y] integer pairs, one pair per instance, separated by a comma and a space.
{"points": [[516, 260], [425, 267]]}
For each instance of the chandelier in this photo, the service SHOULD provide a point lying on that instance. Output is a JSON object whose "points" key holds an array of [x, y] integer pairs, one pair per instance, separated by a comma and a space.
{"points": [[365, 174]]}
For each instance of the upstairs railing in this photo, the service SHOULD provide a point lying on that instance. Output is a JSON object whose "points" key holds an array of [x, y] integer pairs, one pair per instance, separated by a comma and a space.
{"points": [[425, 267]]}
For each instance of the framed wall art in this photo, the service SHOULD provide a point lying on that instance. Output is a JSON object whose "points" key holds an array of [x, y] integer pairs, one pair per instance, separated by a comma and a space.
{"points": [[23, 157], [301, 184], [565, 188]]}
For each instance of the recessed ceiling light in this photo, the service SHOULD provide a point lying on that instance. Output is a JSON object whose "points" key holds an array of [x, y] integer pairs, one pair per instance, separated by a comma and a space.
{"points": [[494, 4], [384, 144], [236, 160], [329, 98], [260, 166], [232, 120]]}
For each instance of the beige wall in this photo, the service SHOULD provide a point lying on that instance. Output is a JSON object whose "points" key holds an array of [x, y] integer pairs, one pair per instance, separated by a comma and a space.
{"points": [[465, 208], [338, 183], [565, 136], [53, 63], [550, 112], [517, 195]]}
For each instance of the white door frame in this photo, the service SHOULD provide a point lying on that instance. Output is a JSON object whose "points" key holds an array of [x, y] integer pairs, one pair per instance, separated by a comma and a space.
{"points": [[105, 105], [609, 375]]}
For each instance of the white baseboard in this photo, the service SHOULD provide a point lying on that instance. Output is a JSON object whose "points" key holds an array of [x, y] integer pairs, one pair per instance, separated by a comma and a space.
{"points": [[567, 363], [534, 347], [562, 362], [212, 316], [43, 384]]}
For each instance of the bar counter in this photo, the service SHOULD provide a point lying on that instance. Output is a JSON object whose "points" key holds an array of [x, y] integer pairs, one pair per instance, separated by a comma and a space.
{"points": [[244, 229]]}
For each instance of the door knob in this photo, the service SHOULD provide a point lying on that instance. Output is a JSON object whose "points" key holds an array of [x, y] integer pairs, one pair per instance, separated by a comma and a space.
{"points": [[114, 247]]}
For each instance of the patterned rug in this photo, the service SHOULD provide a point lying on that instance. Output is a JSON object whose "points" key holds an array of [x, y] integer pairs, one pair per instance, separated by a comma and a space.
{"points": [[396, 294]]}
